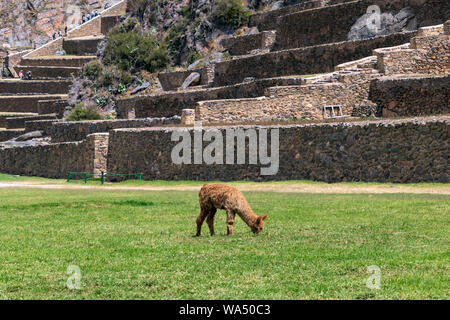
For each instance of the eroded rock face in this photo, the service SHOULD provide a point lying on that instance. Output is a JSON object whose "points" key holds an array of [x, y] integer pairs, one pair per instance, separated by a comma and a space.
{"points": [[33, 22], [369, 25]]}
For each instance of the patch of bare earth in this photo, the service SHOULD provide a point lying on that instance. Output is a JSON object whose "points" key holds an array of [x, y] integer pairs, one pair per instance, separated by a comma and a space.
{"points": [[254, 187]]}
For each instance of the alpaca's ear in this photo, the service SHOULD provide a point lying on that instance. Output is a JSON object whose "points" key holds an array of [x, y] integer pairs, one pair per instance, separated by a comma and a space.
{"points": [[264, 217]]}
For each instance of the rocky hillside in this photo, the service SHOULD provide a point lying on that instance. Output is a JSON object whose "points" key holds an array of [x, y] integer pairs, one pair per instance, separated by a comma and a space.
{"points": [[158, 35], [191, 27], [25, 23]]}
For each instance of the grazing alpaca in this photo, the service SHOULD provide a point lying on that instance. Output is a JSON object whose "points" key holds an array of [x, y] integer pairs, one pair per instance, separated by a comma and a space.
{"points": [[219, 196]]}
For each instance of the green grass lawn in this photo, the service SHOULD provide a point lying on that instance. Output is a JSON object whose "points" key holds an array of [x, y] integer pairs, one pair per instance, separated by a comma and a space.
{"points": [[140, 245]]}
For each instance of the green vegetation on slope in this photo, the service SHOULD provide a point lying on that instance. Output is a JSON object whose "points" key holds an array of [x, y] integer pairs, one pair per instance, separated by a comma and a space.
{"points": [[79, 113], [230, 13], [140, 245], [131, 49]]}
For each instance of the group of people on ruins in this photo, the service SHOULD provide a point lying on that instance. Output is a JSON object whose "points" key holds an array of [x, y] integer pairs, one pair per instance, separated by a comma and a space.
{"points": [[59, 34], [22, 76]]}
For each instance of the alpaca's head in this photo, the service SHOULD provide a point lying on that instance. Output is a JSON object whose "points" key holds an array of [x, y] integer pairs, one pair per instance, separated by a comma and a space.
{"points": [[259, 224]]}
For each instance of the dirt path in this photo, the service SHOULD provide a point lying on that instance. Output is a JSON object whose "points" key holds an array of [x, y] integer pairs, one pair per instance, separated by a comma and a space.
{"points": [[266, 187]]}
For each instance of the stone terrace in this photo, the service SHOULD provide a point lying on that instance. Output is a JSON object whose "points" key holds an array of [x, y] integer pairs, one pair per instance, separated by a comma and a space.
{"points": [[293, 41]]}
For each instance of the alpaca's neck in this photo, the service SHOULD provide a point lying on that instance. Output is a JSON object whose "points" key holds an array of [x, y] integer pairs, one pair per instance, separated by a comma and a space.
{"points": [[248, 216]]}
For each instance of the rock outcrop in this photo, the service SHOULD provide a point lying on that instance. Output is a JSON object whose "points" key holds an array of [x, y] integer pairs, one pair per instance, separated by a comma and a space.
{"points": [[32, 23]]}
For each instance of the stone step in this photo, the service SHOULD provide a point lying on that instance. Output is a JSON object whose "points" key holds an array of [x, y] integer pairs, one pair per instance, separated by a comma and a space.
{"points": [[29, 103], [58, 61], [38, 72], [86, 46], [6, 135], [5, 115], [27, 87], [19, 122]]}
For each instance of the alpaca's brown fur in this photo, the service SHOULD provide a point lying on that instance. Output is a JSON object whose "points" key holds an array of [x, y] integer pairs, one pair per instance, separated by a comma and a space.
{"points": [[219, 196]]}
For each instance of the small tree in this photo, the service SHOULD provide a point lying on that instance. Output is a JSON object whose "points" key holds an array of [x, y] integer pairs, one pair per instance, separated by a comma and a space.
{"points": [[231, 13]]}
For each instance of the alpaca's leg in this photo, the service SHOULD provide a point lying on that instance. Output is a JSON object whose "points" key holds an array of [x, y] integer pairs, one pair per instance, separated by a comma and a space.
{"points": [[201, 217], [230, 221], [210, 220]]}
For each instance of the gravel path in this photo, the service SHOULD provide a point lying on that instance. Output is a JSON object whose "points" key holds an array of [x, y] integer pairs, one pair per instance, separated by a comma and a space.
{"points": [[266, 187]]}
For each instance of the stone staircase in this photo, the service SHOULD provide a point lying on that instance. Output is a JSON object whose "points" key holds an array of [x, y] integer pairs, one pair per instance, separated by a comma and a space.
{"points": [[43, 99]]}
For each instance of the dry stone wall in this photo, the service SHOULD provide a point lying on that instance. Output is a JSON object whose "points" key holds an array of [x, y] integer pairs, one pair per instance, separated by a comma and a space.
{"points": [[22, 103], [395, 151], [56, 160], [8, 87], [108, 23], [79, 130], [411, 96], [90, 28], [172, 103], [60, 61], [6, 135], [332, 23], [52, 106], [19, 122], [305, 104], [40, 125], [79, 47], [289, 103], [313, 27], [51, 72], [173, 80], [427, 55], [310, 60], [48, 49], [242, 45], [269, 20]]}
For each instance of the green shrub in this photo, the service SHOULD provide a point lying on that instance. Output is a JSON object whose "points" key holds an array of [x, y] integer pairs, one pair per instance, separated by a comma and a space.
{"points": [[93, 69], [112, 76], [79, 113], [231, 13], [192, 57], [129, 25], [130, 50], [175, 37]]}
